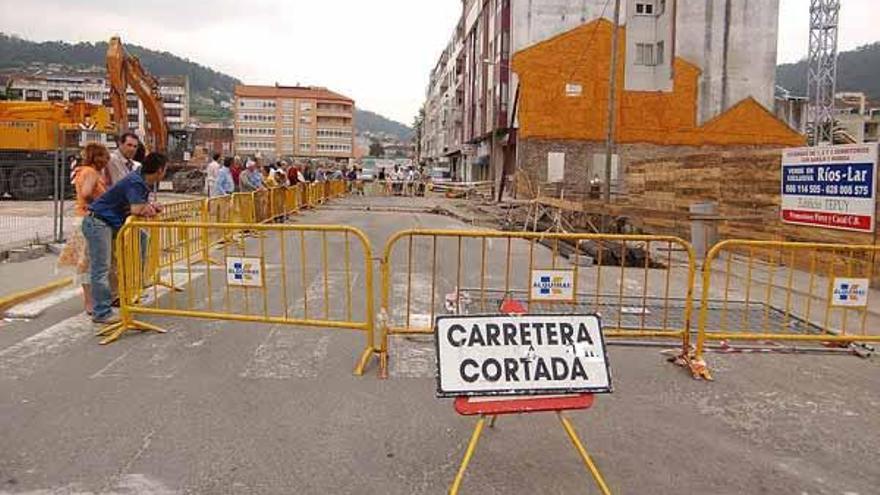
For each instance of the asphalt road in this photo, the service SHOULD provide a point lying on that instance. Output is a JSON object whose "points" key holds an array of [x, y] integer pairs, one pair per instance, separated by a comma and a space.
{"points": [[218, 407]]}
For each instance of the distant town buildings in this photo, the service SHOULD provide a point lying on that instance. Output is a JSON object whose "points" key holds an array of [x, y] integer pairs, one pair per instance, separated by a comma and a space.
{"points": [[293, 122], [61, 84], [214, 138], [857, 118], [538, 71]]}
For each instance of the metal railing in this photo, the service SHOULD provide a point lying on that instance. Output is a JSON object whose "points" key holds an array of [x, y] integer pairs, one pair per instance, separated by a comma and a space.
{"points": [[281, 275], [639, 296], [771, 291]]}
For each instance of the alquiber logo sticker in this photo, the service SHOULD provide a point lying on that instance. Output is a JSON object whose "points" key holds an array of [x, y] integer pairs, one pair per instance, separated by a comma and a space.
{"points": [[244, 272], [552, 285], [850, 292]]}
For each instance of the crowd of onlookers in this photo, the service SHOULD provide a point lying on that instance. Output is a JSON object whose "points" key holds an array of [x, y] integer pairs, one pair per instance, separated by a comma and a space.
{"points": [[236, 174], [111, 186]]}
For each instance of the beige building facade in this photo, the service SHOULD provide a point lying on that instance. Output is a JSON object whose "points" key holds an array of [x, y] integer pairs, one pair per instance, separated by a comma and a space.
{"points": [[276, 122]]}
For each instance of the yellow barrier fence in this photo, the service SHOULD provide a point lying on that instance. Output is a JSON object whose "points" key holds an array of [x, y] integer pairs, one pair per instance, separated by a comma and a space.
{"points": [[640, 285], [769, 291], [307, 275], [244, 208], [262, 207]]}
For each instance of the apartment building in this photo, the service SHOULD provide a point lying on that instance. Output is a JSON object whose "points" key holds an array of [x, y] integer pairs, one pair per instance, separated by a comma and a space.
{"points": [[857, 117], [93, 87], [473, 100], [293, 122]]}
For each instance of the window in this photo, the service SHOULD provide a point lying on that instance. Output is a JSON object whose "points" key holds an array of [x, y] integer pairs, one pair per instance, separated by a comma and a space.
{"points": [[645, 54], [305, 106], [305, 147], [33, 95], [55, 95], [661, 48], [645, 8], [305, 119]]}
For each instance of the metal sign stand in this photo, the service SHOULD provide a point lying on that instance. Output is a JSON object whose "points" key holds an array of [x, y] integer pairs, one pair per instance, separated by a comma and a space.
{"points": [[493, 409], [525, 405]]}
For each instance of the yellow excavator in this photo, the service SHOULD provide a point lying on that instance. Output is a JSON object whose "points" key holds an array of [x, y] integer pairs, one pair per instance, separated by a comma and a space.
{"points": [[32, 135], [124, 71]]}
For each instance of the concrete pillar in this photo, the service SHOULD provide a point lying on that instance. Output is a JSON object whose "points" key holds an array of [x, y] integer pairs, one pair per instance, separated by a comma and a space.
{"points": [[704, 227]]}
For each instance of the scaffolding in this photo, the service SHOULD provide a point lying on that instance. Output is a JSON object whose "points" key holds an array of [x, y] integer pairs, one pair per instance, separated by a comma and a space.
{"points": [[822, 72]]}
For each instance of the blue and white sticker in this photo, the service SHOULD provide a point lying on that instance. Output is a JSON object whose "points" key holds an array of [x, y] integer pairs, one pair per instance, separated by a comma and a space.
{"points": [[850, 292], [552, 285], [244, 272]]}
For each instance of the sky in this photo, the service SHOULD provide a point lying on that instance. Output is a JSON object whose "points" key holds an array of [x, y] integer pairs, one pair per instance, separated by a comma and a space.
{"points": [[378, 52]]}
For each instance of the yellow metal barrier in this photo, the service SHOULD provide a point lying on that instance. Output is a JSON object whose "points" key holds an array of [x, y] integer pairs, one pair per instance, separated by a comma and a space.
{"points": [[292, 197], [307, 275], [276, 203], [786, 291], [430, 272], [244, 208], [262, 207]]}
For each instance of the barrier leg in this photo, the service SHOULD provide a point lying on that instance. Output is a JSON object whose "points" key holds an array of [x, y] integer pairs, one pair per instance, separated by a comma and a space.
{"points": [[472, 446], [363, 361], [112, 332], [492, 423], [576, 441]]}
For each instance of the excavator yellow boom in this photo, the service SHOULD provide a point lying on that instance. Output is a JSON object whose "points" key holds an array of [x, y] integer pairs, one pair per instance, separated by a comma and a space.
{"points": [[124, 71]]}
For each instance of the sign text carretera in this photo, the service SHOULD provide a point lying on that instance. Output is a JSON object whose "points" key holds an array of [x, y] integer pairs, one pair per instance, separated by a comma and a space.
{"points": [[832, 187], [520, 355]]}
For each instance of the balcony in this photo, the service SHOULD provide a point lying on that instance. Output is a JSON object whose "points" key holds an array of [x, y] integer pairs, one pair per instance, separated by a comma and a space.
{"points": [[334, 110]]}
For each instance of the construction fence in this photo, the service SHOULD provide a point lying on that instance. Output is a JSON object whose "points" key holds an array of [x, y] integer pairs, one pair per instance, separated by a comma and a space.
{"points": [[227, 259]]}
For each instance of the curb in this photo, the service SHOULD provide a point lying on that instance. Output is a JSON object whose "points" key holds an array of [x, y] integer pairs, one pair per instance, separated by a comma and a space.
{"points": [[28, 294]]}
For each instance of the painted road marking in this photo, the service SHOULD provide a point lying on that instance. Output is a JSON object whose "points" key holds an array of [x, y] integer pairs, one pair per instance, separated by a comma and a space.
{"points": [[35, 308], [287, 352], [25, 358]]}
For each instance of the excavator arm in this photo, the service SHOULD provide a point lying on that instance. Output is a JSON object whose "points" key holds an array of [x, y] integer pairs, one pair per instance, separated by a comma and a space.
{"points": [[124, 71]]}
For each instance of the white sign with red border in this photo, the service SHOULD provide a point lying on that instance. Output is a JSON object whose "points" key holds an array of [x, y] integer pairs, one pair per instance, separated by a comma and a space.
{"points": [[831, 187]]}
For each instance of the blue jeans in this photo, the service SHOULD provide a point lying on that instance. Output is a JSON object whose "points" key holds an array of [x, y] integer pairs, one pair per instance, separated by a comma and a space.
{"points": [[99, 239]]}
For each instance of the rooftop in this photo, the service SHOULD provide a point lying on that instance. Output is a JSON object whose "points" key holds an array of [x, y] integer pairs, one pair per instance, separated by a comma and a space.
{"points": [[278, 91]]}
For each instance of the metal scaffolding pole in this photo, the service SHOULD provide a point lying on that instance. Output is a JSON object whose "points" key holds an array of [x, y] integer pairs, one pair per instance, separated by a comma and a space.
{"points": [[822, 71]]}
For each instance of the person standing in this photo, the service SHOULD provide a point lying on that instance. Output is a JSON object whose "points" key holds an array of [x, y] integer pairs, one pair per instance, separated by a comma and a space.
{"points": [[251, 179], [122, 159], [107, 214], [88, 182], [293, 175], [236, 170], [225, 185], [269, 177], [211, 172]]}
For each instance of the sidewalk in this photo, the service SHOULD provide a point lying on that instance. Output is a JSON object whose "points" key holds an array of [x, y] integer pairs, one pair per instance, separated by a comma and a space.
{"points": [[25, 275]]}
